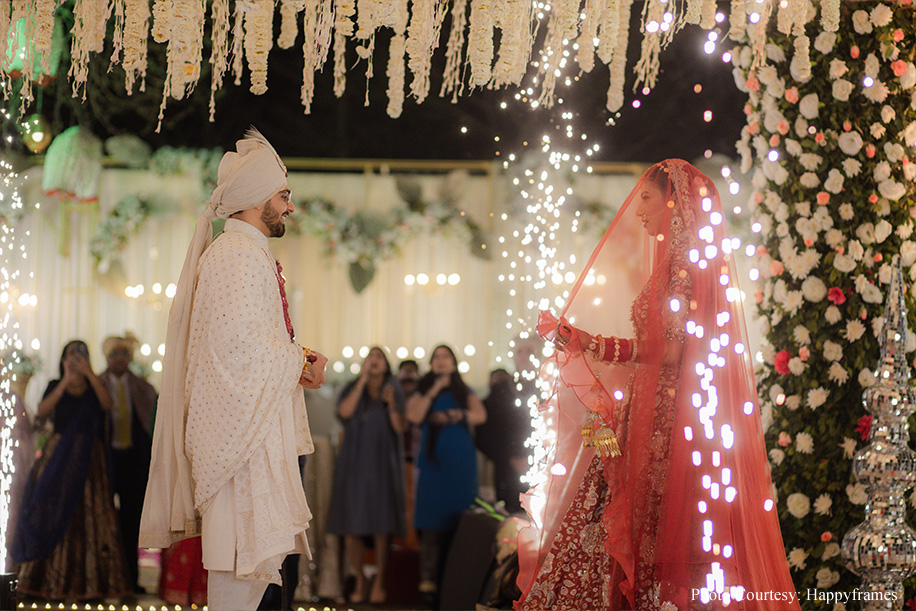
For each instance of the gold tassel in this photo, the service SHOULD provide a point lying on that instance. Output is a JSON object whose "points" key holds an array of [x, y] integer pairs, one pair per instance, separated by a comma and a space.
{"points": [[605, 441], [588, 433]]}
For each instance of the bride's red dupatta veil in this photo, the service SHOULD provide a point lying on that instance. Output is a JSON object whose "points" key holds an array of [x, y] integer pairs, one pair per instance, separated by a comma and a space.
{"points": [[691, 522]]}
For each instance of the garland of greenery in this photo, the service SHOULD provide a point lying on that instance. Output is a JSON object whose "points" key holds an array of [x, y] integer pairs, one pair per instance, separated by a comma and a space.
{"points": [[833, 194]]}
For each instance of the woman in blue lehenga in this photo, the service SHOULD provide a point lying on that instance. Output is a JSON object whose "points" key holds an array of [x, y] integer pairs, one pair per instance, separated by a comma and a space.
{"points": [[447, 462], [67, 539]]}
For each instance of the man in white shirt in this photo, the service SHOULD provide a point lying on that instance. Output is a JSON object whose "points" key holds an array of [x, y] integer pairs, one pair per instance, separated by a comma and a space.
{"points": [[129, 435], [232, 419]]}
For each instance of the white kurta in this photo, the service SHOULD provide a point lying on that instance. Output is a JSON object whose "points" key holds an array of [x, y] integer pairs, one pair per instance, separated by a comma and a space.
{"points": [[246, 419]]}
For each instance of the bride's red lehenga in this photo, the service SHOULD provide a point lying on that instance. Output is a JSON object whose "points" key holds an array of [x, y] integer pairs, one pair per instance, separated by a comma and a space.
{"points": [[656, 493]]}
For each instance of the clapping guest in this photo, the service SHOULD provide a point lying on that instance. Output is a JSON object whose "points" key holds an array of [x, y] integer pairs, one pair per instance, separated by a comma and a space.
{"points": [[130, 423], [447, 461], [368, 498], [67, 538]]}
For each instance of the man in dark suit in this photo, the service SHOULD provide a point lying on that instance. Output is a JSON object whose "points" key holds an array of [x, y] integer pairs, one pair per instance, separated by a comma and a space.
{"points": [[129, 426]]}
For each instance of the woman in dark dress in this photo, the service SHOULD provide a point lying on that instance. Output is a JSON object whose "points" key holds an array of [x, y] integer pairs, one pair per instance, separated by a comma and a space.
{"points": [[368, 499], [67, 539], [447, 462]]}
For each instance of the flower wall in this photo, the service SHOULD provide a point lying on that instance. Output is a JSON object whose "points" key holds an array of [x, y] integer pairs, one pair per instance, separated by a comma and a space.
{"points": [[830, 135]]}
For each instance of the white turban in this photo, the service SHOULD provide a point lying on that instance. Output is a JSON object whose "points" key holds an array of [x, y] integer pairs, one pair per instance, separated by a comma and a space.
{"points": [[248, 177]]}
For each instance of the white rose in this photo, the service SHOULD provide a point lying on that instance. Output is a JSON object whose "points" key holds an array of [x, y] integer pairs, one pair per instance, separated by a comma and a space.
{"points": [[793, 147], [803, 208], [888, 114], [837, 373], [810, 161], [816, 398], [846, 212], [801, 127], [850, 143], [824, 42], [782, 230], [866, 233], [871, 294], [861, 23], [798, 504], [894, 151], [908, 80], [855, 250], [822, 504], [878, 92], [775, 391], [884, 274], [844, 263], [793, 402], [782, 213], [834, 182], [802, 335], [841, 89], [866, 378], [908, 253], [824, 217], [808, 106], [881, 15], [831, 551], [852, 168], [775, 53], [854, 330], [767, 74], [834, 238], [814, 289], [832, 351], [891, 190], [910, 341], [777, 456], [872, 65], [882, 171], [857, 494], [877, 324], [793, 302], [882, 230], [809, 180], [797, 558], [740, 80], [849, 447], [904, 231], [796, 366], [837, 68], [832, 315], [826, 578]]}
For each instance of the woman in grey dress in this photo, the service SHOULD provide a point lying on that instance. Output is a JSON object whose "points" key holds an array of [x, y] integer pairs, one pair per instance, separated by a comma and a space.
{"points": [[368, 498]]}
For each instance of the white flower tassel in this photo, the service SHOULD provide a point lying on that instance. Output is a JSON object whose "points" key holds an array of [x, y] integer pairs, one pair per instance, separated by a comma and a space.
{"points": [[830, 15], [802, 54], [289, 28], [162, 13], [708, 15], [343, 28], [259, 36], [219, 52], [480, 42], [238, 41], [5, 17], [136, 33], [43, 33], [422, 39], [694, 11], [397, 67], [451, 81], [610, 30], [619, 63], [89, 24], [185, 51], [562, 26], [652, 43], [588, 32], [514, 20], [317, 22], [737, 20]]}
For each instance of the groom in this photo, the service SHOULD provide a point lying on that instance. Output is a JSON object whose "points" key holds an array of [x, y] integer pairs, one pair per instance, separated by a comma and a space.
{"points": [[234, 374]]}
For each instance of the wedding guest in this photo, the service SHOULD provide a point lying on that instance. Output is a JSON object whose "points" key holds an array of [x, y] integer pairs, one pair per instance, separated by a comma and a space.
{"points": [[130, 423], [67, 540], [447, 462], [183, 580], [368, 498], [502, 438], [408, 378]]}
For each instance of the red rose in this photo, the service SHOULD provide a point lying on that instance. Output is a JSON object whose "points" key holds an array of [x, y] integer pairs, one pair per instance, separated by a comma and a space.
{"points": [[781, 363], [854, 52], [899, 67], [873, 198], [863, 427], [826, 536], [836, 296], [822, 198]]}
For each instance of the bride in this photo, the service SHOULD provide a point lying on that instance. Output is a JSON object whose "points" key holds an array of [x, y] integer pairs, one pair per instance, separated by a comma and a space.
{"points": [[657, 494]]}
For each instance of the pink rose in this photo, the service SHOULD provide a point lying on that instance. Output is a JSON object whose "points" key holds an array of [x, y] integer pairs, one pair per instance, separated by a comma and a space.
{"points": [[836, 296], [899, 67], [776, 268], [784, 439], [792, 95], [854, 52], [869, 150], [752, 83], [783, 127], [804, 353], [823, 198], [898, 35], [774, 140]]}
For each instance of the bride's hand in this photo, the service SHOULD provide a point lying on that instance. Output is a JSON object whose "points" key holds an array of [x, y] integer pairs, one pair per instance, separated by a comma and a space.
{"points": [[565, 333]]}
